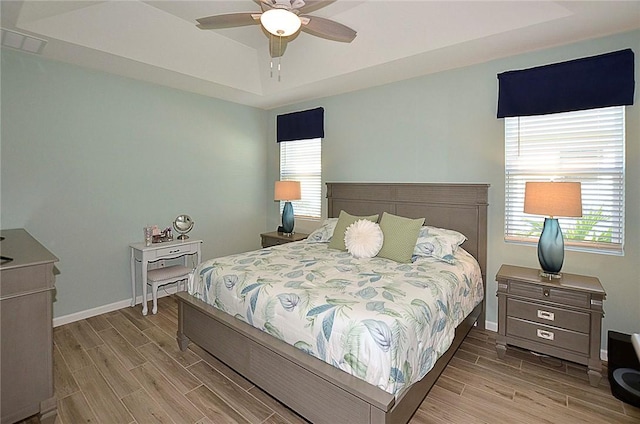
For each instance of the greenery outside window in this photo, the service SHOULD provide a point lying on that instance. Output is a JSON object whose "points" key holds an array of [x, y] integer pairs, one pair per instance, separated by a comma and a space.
{"points": [[585, 146], [300, 160]]}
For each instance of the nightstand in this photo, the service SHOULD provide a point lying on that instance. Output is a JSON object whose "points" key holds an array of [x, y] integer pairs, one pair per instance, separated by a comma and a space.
{"points": [[275, 238], [560, 317]]}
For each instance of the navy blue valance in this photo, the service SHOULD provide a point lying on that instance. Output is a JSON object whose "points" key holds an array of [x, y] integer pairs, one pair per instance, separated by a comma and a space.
{"points": [[587, 83], [301, 125]]}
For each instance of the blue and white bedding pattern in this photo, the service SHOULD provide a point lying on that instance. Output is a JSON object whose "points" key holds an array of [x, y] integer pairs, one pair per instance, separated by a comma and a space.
{"points": [[382, 321]]}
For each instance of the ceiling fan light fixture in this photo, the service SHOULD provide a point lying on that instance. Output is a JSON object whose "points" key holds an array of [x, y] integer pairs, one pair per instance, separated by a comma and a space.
{"points": [[280, 22]]}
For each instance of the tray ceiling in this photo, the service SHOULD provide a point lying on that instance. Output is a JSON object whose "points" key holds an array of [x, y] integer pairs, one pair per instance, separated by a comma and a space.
{"points": [[157, 41]]}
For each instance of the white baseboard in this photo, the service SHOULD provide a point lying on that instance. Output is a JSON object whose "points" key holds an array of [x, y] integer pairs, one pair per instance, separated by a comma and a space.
{"points": [[78, 316], [489, 325]]}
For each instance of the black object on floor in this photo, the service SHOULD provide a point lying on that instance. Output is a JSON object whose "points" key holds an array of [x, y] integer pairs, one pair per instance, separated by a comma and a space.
{"points": [[624, 368]]}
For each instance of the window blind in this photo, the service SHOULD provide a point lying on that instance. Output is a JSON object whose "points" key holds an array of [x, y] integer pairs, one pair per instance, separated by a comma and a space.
{"points": [[300, 160], [585, 146]]}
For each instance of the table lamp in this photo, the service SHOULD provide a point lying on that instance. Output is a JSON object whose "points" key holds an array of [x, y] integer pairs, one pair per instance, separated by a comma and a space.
{"points": [[552, 199], [287, 191]]}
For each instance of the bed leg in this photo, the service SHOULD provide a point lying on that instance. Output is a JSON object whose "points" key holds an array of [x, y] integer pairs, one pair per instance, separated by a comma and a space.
{"points": [[183, 341], [482, 319]]}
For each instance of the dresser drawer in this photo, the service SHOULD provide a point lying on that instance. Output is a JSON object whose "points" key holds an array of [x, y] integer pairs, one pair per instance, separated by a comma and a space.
{"points": [[26, 280], [548, 335], [550, 294], [549, 315]]}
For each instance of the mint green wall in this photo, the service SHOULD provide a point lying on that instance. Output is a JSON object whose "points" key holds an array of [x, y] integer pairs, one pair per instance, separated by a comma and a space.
{"points": [[443, 128], [89, 158]]}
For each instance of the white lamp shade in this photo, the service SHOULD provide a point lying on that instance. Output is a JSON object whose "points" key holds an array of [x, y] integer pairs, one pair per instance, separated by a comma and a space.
{"points": [[287, 190], [553, 199], [280, 22]]}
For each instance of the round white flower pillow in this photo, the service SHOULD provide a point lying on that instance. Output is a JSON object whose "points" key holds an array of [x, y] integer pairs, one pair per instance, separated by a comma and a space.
{"points": [[363, 239]]}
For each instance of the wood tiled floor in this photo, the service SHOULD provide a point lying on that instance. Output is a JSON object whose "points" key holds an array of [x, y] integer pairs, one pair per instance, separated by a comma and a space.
{"points": [[121, 367]]}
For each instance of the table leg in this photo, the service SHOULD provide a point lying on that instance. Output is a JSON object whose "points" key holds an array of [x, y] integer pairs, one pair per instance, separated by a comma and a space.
{"points": [[144, 285], [594, 377], [133, 278], [154, 295]]}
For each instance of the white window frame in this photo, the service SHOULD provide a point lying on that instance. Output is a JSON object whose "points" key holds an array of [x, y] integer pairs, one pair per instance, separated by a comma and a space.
{"points": [[301, 160], [585, 146]]}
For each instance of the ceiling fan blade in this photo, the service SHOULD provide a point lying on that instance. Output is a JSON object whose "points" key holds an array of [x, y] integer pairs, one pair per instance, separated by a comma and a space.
{"points": [[326, 28], [230, 20], [277, 45], [264, 4], [313, 5]]}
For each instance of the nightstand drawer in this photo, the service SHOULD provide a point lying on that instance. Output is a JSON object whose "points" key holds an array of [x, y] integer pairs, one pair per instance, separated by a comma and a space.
{"points": [[545, 334], [549, 294], [275, 238], [549, 315], [276, 242], [174, 251]]}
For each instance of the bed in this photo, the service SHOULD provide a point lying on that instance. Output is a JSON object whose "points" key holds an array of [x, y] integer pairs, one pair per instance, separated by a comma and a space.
{"points": [[314, 389]]}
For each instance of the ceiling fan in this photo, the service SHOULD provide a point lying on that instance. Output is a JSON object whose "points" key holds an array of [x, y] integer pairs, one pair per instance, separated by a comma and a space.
{"points": [[284, 19]]}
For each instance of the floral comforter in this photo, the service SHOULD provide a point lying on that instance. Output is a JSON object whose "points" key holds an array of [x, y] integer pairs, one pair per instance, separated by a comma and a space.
{"points": [[382, 321]]}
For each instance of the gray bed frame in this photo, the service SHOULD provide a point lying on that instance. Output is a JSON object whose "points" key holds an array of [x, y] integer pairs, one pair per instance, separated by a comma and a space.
{"points": [[314, 389]]}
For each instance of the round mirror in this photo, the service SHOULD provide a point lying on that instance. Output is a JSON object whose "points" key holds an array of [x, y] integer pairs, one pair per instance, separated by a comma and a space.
{"points": [[182, 224]]}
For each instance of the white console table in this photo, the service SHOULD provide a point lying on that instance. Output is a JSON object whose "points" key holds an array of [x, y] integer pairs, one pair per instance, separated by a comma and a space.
{"points": [[143, 255]]}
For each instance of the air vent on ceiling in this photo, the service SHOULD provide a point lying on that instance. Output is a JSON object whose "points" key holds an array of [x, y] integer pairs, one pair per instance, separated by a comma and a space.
{"points": [[18, 41]]}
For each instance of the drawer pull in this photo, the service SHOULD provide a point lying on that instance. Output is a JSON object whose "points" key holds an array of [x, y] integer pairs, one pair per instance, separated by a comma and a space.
{"points": [[543, 334], [550, 316], [546, 292]]}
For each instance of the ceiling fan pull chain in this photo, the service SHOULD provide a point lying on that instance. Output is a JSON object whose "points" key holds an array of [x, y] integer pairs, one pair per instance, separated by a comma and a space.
{"points": [[271, 58], [279, 57]]}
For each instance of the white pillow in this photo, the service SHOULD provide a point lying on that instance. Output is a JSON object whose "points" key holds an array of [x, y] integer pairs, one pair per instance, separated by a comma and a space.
{"points": [[363, 239], [323, 233], [439, 243]]}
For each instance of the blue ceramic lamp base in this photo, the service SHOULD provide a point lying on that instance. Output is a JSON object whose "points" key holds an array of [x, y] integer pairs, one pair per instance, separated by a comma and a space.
{"points": [[287, 218], [551, 249]]}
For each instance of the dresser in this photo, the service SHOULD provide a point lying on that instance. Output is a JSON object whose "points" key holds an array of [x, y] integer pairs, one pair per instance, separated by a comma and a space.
{"points": [[275, 238], [26, 294], [558, 317]]}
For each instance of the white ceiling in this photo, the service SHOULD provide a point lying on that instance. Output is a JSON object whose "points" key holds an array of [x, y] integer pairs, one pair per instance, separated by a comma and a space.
{"points": [[158, 41]]}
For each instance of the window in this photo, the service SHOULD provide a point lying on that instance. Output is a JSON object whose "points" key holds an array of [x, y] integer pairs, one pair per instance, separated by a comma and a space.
{"points": [[585, 146], [300, 160]]}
